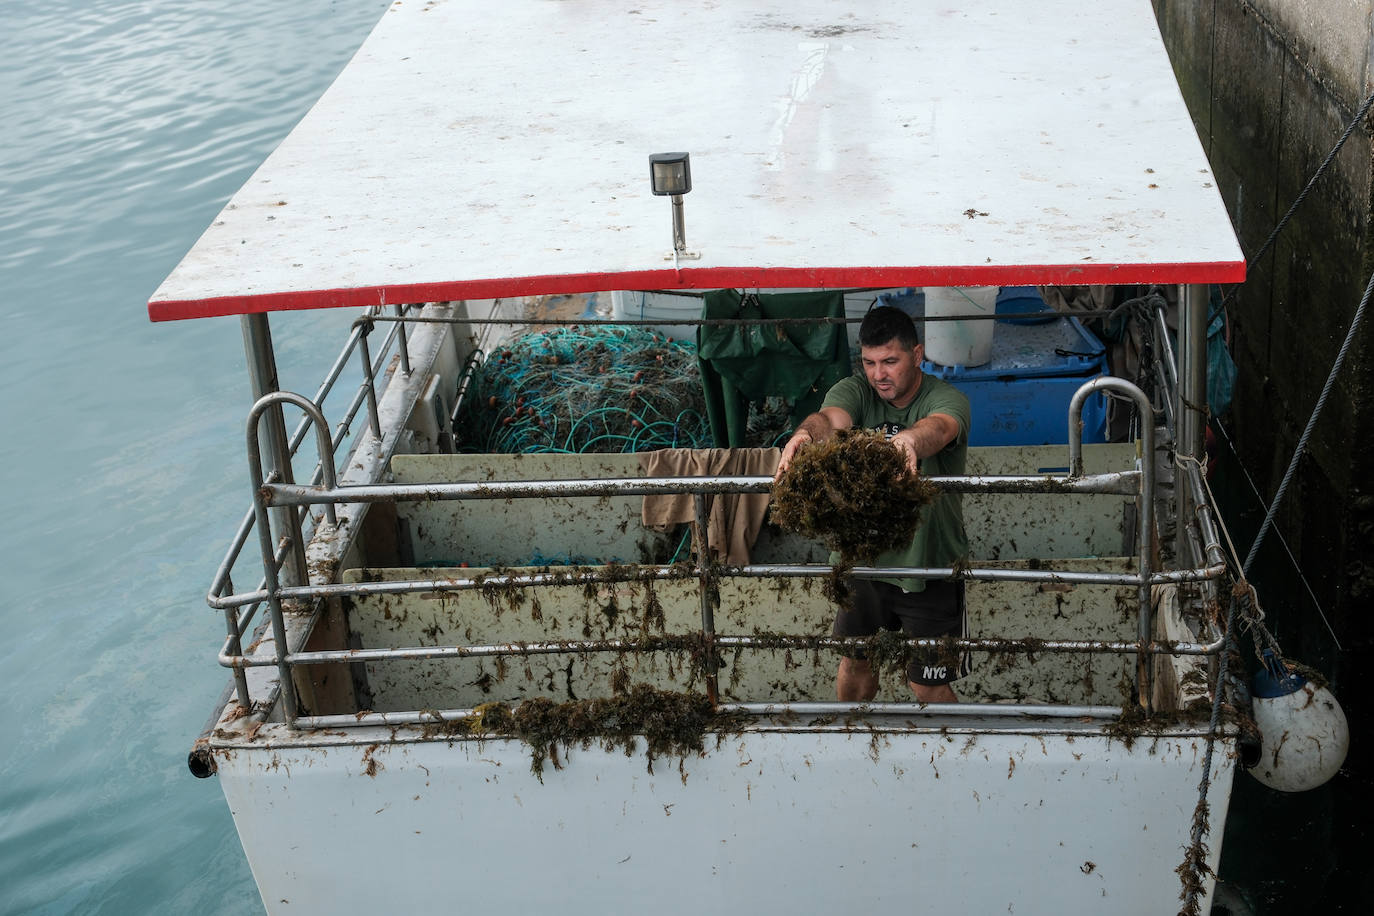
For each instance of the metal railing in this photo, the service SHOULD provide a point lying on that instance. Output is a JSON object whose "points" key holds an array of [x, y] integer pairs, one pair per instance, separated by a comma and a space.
{"points": [[241, 610], [328, 494]]}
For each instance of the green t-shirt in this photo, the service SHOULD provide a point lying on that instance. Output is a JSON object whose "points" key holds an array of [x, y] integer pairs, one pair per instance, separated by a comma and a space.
{"points": [[939, 539]]}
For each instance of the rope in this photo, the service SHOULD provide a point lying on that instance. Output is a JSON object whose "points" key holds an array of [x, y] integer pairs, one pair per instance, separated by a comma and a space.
{"points": [[1278, 534], [1254, 616], [1194, 864], [1194, 867], [1311, 422]]}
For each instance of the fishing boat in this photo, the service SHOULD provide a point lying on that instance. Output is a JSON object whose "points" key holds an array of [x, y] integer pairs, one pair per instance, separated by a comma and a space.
{"points": [[423, 717]]}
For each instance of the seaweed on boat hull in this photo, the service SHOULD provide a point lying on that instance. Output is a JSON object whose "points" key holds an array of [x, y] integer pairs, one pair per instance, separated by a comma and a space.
{"points": [[669, 723]]}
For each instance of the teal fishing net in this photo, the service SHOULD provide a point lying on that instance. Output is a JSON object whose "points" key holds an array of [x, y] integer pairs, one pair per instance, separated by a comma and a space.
{"points": [[585, 388]]}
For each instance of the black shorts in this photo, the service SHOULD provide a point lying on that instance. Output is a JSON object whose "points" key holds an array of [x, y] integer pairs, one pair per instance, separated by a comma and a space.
{"points": [[938, 611]]}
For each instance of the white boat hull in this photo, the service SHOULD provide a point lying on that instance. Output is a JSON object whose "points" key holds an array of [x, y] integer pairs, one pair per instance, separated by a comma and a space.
{"points": [[772, 821]]}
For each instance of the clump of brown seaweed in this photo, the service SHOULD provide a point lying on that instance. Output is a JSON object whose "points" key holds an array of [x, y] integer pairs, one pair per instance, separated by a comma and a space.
{"points": [[855, 492], [668, 724]]}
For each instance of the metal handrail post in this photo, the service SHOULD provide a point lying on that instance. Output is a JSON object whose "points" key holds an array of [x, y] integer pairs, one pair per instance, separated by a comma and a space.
{"points": [[265, 545], [1192, 374], [327, 386], [1144, 507], [235, 646], [401, 341], [262, 377], [324, 442], [475, 359], [1165, 346], [707, 590], [269, 561], [1191, 395], [369, 380]]}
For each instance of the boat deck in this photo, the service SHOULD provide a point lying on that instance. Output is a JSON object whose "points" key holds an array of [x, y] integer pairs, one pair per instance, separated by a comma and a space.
{"points": [[494, 538]]}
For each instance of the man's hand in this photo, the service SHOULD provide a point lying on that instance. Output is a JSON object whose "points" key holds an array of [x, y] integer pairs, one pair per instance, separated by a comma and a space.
{"points": [[817, 427], [925, 438], [905, 441], [799, 438]]}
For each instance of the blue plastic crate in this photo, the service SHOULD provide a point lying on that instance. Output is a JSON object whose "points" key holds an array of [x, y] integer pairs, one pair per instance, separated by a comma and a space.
{"points": [[1021, 395], [1025, 303], [1033, 410]]}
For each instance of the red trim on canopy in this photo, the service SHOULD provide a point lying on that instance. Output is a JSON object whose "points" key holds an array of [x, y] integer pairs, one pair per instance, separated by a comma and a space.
{"points": [[704, 278]]}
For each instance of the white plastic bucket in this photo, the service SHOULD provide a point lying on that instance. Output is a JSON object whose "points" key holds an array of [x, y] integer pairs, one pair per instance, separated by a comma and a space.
{"points": [[960, 343]]}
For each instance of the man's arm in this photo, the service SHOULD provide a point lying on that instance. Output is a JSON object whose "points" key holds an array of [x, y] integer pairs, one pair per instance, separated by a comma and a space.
{"points": [[817, 427], [926, 437]]}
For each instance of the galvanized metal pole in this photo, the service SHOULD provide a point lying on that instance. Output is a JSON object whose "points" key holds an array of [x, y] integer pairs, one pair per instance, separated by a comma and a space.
{"points": [[235, 647], [1192, 402], [273, 441], [369, 383], [1192, 375], [1168, 369], [1144, 509], [270, 576], [1122, 483], [401, 339], [708, 586], [262, 409], [679, 226]]}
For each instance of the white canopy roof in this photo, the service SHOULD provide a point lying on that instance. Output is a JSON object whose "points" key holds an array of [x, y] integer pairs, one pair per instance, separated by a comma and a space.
{"points": [[475, 150]]}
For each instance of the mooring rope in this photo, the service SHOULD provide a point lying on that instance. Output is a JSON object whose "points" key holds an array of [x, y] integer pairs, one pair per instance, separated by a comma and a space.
{"points": [[1259, 497], [1194, 867], [1194, 863]]}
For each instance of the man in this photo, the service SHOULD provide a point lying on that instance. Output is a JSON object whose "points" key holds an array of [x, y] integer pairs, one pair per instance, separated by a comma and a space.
{"points": [[928, 420]]}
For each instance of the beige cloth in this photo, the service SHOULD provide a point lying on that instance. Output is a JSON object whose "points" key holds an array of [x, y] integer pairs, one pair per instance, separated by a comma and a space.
{"points": [[733, 519]]}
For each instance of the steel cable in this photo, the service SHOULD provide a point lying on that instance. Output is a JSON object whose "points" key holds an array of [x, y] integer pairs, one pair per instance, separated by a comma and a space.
{"points": [[1302, 195], [1311, 423]]}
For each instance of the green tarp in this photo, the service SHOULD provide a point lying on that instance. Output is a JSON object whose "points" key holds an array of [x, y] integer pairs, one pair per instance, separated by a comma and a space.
{"points": [[750, 362]]}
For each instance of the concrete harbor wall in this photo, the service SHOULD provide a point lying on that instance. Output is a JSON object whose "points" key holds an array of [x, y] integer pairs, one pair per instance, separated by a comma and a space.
{"points": [[1271, 85]]}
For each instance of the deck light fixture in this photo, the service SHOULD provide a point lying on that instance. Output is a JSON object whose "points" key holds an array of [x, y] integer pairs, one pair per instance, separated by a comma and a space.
{"points": [[670, 175]]}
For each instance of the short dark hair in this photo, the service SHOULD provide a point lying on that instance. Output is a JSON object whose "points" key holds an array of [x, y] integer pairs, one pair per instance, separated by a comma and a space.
{"points": [[886, 323]]}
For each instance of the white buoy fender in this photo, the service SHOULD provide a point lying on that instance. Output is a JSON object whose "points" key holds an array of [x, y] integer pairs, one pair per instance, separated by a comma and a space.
{"points": [[1305, 732]]}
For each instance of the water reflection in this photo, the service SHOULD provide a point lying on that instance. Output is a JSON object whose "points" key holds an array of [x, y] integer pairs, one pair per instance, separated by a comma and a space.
{"points": [[127, 127]]}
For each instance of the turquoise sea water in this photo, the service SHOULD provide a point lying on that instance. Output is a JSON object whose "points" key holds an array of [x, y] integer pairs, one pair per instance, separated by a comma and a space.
{"points": [[126, 126]]}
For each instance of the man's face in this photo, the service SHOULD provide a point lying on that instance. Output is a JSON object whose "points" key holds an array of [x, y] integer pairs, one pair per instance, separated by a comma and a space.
{"points": [[893, 370]]}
